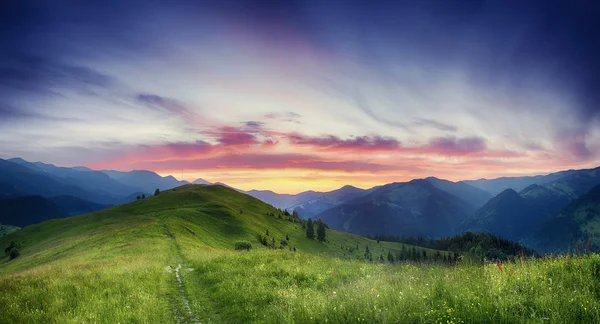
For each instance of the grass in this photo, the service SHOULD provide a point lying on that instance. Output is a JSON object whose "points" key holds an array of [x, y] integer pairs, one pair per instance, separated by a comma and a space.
{"points": [[7, 229], [118, 265]]}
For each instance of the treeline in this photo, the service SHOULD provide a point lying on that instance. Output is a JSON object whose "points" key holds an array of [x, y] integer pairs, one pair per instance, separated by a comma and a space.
{"points": [[480, 245], [405, 253]]}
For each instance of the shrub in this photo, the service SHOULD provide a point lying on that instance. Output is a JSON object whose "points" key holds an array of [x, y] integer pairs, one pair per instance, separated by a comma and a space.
{"points": [[14, 253], [283, 242], [243, 245]]}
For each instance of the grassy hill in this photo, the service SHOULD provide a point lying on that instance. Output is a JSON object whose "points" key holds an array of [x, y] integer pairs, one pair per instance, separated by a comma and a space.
{"points": [[170, 259], [120, 254]]}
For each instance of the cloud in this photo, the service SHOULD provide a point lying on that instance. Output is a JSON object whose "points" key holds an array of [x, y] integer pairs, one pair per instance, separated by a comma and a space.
{"points": [[359, 143], [572, 143], [234, 136], [167, 104], [44, 75], [454, 146], [259, 161], [289, 116], [434, 124], [254, 124]]}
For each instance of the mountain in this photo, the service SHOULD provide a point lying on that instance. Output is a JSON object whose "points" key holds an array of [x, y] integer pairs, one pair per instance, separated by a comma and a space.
{"points": [[144, 181], [508, 215], [76, 206], [496, 186], [545, 198], [20, 180], [576, 183], [282, 201], [94, 181], [201, 181], [311, 204], [26, 210], [578, 221], [410, 208], [474, 196]]}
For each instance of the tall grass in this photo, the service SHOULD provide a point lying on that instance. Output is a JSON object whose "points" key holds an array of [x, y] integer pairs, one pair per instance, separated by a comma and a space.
{"points": [[281, 287]]}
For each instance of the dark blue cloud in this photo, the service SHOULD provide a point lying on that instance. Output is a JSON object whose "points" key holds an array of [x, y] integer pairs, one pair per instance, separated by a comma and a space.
{"points": [[497, 42]]}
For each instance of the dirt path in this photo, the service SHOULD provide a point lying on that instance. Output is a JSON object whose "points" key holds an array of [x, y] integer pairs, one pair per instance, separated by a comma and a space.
{"points": [[181, 303]]}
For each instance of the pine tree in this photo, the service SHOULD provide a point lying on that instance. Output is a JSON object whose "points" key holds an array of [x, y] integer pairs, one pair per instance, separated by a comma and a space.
{"points": [[310, 230], [424, 255], [390, 257], [321, 231]]}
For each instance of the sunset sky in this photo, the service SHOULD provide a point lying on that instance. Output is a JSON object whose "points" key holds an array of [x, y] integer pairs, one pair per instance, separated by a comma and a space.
{"points": [[298, 95]]}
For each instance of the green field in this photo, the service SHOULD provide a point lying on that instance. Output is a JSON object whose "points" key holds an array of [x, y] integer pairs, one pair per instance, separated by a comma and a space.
{"points": [[171, 259]]}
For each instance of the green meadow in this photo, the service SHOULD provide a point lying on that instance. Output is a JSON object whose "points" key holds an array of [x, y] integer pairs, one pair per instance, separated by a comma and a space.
{"points": [[171, 259]]}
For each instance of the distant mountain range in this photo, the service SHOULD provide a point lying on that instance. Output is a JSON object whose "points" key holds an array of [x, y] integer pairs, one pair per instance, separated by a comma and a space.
{"points": [[526, 209], [409, 208], [516, 216], [31, 192]]}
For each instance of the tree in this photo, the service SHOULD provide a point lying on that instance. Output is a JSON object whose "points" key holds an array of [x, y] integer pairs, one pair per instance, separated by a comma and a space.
{"points": [[138, 197], [390, 257], [310, 230], [424, 255], [243, 245], [321, 231], [295, 214], [143, 196], [156, 192], [287, 238]]}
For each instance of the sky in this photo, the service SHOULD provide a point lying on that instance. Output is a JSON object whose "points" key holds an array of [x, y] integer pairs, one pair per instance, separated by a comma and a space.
{"points": [[298, 95]]}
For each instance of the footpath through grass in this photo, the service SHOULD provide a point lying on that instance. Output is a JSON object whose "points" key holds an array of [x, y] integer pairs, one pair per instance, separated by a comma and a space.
{"points": [[121, 266]]}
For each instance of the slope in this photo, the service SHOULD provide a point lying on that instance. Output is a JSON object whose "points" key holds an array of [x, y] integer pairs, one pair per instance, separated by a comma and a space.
{"points": [[94, 181], [578, 221], [26, 210], [411, 208], [474, 196], [508, 215], [146, 261], [19, 180]]}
